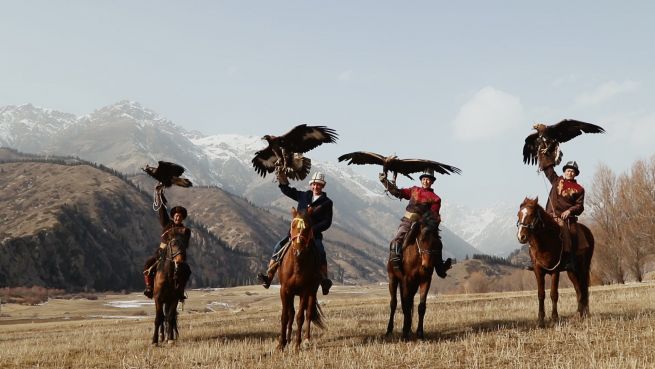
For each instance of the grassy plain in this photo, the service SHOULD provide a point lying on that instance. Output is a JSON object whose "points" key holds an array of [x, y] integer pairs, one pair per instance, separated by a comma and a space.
{"points": [[238, 328]]}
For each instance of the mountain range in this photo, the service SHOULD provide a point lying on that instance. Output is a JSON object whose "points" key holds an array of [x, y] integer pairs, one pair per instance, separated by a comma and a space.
{"points": [[125, 136]]}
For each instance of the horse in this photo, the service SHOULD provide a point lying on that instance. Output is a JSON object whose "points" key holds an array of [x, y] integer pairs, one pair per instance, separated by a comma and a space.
{"points": [[417, 266], [165, 294], [299, 276], [538, 228]]}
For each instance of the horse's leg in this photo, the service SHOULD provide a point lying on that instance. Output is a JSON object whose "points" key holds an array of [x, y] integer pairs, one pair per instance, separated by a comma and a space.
{"points": [[159, 318], [407, 296], [541, 295], [393, 290], [171, 318], [300, 319], [424, 288], [292, 316], [286, 303], [554, 295], [576, 281], [309, 315]]}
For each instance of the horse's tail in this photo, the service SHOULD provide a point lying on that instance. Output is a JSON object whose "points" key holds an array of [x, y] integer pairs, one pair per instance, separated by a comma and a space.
{"points": [[317, 315]]}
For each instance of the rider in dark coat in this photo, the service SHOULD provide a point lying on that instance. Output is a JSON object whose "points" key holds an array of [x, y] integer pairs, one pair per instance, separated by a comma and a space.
{"points": [[321, 220], [173, 231], [565, 203]]}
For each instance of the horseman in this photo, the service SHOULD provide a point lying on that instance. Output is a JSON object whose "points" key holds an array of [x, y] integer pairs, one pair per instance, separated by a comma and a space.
{"points": [[565, 203], [174, 232], [321, 218], [421, 200]]}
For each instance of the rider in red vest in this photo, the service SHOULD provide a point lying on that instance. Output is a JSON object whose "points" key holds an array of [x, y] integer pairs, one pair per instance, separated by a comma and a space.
{"points": [[421, 199], [565, 203]]}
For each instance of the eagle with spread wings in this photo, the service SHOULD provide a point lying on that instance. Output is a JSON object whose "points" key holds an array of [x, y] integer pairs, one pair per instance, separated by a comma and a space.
{"points": [[286, 152], [548, 138], [168, 174], [395, 165]]}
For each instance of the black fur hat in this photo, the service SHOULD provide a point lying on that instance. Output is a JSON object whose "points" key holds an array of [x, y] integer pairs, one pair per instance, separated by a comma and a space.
{"points": [[178, 209]]}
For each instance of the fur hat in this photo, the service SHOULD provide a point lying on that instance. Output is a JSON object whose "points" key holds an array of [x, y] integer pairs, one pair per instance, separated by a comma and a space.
{"points": [[318, 177], [178, 209], [573, 165], [428, 173]]}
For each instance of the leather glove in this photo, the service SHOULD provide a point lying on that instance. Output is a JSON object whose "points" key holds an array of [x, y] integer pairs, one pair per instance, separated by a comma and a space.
{"points": [[546, 159], [282, 177], [382, 177]]}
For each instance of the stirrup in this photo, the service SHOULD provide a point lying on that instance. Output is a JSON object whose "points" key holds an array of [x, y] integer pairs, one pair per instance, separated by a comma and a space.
{"points": [[264, 280], [148, 292]]}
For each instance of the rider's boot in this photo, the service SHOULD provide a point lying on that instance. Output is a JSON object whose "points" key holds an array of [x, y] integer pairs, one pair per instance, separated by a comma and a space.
{"points": [[395, 256], [326, 283], [265, 279], [182, 273], [569, 250], [442, 266]]}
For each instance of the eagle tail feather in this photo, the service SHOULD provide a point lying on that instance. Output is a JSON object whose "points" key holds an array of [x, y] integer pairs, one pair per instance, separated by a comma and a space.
{"points": [[182, 182]]}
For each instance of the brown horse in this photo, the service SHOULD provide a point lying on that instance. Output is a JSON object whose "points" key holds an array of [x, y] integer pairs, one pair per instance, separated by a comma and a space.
{"points": [[421, 242], [165, 295], [299, 276], [541, 231]]}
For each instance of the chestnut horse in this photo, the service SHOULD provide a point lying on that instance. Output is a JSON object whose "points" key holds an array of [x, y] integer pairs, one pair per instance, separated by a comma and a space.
{"points": [[165, 295], [538, 228], [299, 276], [421, 242]]}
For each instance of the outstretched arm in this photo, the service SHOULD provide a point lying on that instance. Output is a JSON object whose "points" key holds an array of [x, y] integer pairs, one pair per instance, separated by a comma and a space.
{"points": [[391, 187], [547, 164]]}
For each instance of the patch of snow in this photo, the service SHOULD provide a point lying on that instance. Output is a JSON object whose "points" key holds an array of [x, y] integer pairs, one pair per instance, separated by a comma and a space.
{"points": [[129, 304]]}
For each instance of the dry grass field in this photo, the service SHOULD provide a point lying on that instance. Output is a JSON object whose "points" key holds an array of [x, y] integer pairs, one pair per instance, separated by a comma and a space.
{"points": [[238, 328]]}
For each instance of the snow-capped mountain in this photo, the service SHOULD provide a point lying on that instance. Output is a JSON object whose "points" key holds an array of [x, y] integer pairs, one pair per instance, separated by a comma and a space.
{"points": [[125, 136], [491, 230]]}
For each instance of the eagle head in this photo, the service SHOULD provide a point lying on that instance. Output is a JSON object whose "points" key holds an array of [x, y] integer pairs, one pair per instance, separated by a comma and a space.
{"points": [[148, 169], [268, 138], [540, 128]]}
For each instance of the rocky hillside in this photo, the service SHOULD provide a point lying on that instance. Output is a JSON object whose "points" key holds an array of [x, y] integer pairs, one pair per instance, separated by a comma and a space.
{"points": [[79, 227]]}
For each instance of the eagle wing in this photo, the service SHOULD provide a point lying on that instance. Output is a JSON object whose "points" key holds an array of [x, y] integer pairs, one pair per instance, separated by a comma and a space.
{"points": [[303, 138], [530, 149], [264, 161], [408, 166], [569, 128], [166, 169], [363, 157]]}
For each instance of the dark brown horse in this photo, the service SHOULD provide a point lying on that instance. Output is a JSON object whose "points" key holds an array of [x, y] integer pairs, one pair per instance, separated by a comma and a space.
{"points": [[541, 231], [299, 276], [165, 295], [421, 243]]}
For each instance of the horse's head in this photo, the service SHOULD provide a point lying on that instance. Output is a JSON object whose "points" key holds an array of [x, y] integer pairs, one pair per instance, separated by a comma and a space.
{"points": [[528, 219], [301, 229], [428, 240]]}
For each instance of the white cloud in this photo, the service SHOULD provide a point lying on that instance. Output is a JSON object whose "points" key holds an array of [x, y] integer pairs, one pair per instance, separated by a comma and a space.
{"points": [[487, 114], [634, 130], [605, 92], [345, 76]]}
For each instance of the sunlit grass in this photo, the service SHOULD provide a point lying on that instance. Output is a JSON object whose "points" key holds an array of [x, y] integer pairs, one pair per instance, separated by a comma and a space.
{"points": [[496, 330]]}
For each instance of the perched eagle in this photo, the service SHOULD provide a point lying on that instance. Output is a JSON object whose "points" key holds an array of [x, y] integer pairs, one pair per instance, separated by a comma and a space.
{"points": [[395, 165], [548, 138], [286, 151], [168, 174]]}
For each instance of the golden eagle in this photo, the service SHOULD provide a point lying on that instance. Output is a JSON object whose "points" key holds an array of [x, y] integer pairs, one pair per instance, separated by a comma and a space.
{"points": [[168, 174], [548, 138], [395, 165], [286, 151]]}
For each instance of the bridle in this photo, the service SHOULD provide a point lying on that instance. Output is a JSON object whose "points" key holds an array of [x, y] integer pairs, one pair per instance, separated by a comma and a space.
{"points": [[532, 225], [299, 224]]}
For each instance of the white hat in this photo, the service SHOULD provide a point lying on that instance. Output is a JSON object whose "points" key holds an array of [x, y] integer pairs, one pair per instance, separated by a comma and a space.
{"points": [[319, 178]]}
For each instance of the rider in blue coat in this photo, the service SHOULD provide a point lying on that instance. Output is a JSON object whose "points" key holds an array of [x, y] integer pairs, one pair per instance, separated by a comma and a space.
{"points": [[321, 220]]}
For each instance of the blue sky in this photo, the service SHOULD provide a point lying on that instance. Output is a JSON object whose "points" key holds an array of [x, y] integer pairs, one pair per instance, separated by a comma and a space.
{"points": [[457, 83]]}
